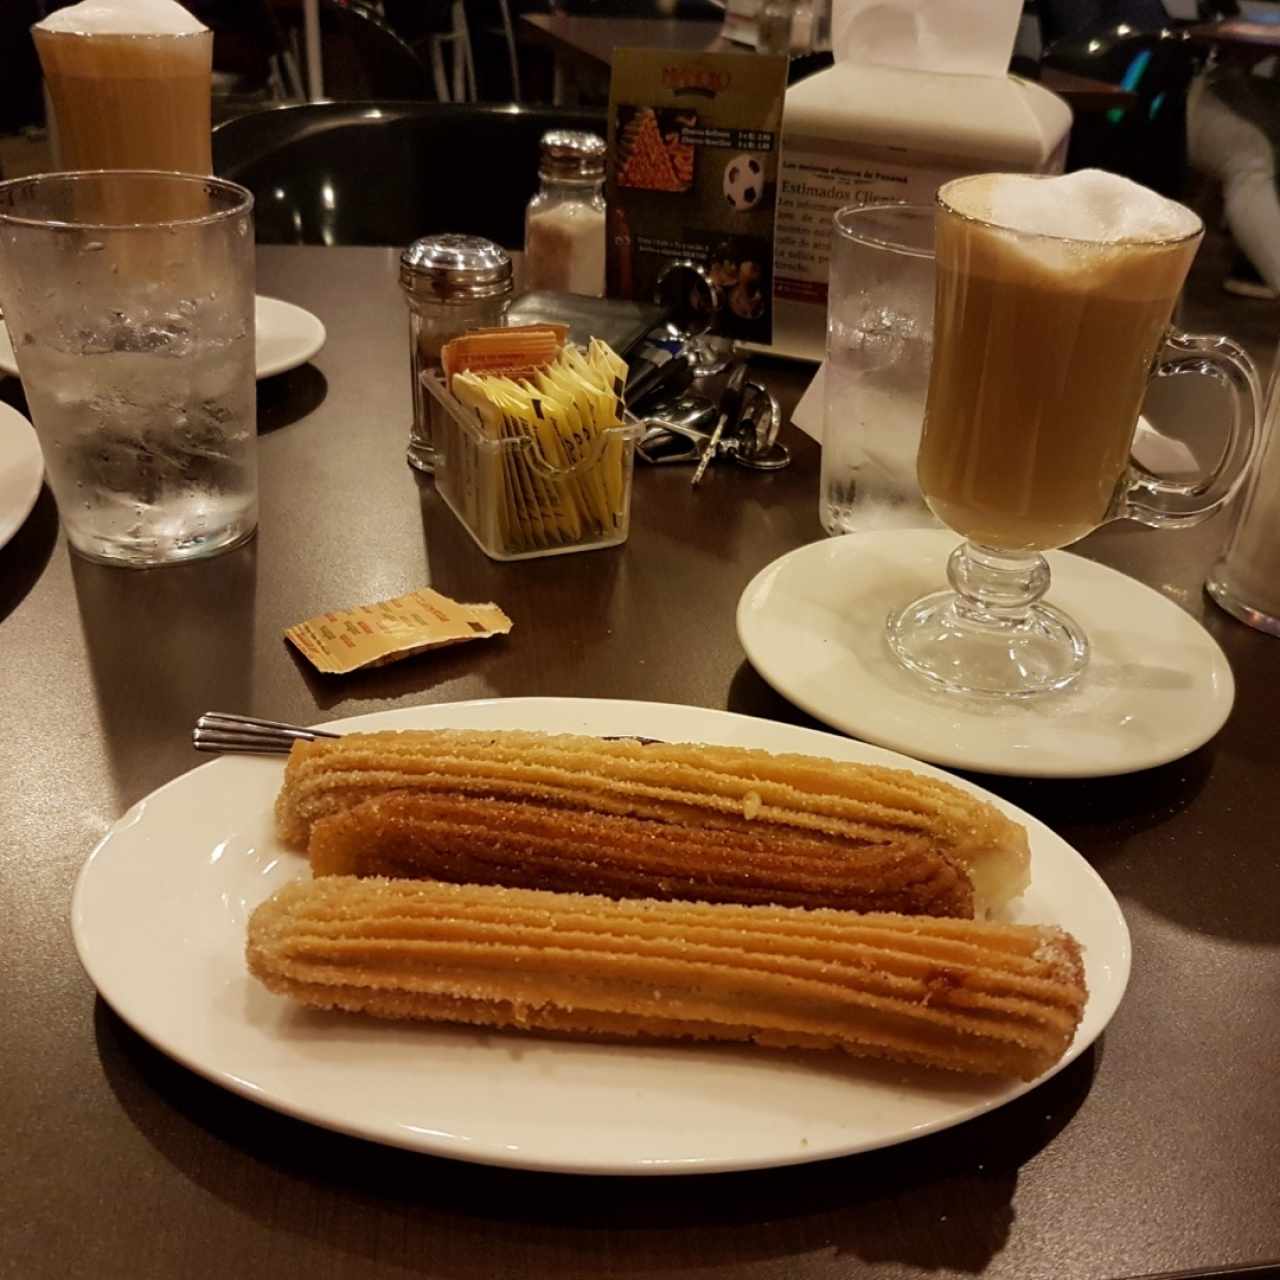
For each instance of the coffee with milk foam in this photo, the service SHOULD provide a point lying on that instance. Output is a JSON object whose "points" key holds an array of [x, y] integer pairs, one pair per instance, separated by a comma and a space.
{"points": [[123, 18], [1053, 299], [130, 82], [1090, 205]]}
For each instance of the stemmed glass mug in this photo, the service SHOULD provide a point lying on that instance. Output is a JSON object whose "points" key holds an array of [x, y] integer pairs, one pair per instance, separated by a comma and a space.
{"points": [[1043, 349]]}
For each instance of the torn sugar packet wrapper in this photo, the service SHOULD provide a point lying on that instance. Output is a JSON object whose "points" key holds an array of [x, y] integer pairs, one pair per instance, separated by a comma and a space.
{"points": [[371, 635]]}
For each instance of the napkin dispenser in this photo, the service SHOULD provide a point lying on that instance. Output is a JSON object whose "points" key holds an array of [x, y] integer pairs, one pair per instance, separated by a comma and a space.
{"points": [[919, 94]]}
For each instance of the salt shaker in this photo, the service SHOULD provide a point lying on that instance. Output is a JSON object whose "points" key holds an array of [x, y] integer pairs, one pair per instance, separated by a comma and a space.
{"points": [[564, 224], [452, 283]]}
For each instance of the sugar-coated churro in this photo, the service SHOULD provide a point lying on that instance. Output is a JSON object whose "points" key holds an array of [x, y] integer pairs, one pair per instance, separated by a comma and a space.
{"points": [[721, 789], [968, 996], [525, 844]]}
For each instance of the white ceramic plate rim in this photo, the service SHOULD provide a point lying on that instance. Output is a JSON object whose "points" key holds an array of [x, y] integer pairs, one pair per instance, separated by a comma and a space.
{"points": [[297, 333], [301, 335], [937, 754], [23, 464], [96, 939]]}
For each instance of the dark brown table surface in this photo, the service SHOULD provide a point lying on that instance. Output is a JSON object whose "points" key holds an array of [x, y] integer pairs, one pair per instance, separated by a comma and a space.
{"points": [[1155, 1151], [589, 43]]}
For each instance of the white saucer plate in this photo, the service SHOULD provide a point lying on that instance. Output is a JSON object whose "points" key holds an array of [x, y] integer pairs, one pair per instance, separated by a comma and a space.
{"points": [[286, 336], [159, 917], [1156, 688], [21, 471]]}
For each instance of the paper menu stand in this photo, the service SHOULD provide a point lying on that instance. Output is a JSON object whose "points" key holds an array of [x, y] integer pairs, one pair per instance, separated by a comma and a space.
{"points": [[692, 177], [919, 94]]}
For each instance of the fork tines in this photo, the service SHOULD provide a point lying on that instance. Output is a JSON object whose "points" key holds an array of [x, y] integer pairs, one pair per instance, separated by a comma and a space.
{"points": [[219, 731]]}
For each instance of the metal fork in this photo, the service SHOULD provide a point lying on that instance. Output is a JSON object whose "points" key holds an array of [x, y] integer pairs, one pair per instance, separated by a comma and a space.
{"points": [[218, 731]]}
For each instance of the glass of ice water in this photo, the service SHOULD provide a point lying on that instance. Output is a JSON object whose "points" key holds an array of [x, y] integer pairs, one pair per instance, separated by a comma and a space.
{"points": [[129, 298], [879, 346]]}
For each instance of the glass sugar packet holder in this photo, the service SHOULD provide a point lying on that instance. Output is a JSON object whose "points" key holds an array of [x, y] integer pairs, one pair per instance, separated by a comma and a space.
{"points": [[521, 496]]}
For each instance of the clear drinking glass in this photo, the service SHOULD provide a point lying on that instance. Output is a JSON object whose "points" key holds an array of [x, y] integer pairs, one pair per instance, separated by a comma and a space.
{"points": [[129, 301], [879, 344], [1246, 579], [1043, 349]]}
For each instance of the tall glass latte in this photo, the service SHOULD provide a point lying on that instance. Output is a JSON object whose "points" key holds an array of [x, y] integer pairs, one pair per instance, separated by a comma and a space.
{"points": [[1042, 350], [129, 84], [1052, 308]]}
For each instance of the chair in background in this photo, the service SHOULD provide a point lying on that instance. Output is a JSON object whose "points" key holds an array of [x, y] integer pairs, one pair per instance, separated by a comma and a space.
{"points": [[438, 33], [699, 10], [252, 59], [452, 35], [385, 173], [362, 57]]}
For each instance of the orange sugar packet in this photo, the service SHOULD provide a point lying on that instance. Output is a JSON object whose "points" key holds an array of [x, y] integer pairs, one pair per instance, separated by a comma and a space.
{"points": [[371, 635], [502, 351]]}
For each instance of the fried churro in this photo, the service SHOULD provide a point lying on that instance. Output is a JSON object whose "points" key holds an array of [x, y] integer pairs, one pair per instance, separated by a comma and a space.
{"points": [[524, 844], [873, 812], [962, 995]]}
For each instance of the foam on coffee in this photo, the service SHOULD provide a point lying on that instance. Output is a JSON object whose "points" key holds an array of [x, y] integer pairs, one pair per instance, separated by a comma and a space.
{"points": [[1088, 205], [123, 18]]}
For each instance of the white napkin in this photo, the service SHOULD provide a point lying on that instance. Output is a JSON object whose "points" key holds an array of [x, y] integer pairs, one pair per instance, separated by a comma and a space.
{"points": [[960, 37], [1156, 451]]}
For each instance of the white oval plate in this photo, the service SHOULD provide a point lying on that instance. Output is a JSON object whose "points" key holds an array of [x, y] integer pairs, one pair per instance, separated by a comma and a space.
{"points": [[159, 918], [21, 470], [286, 336], [1157, 685]]}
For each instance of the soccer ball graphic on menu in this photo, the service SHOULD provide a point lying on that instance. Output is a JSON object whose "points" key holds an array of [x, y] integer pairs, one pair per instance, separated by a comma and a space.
{"points": [[743, 183]]}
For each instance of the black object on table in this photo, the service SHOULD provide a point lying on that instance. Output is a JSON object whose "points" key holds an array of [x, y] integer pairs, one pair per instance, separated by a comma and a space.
{"points": [[385, 173]]}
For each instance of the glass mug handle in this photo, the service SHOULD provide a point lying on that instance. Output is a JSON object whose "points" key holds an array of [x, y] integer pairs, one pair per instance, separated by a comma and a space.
{"points": [[1166, 504]]}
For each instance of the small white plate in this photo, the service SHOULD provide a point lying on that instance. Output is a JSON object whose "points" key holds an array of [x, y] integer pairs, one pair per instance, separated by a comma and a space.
{"points": [[21, 470], [1157, 685], [159, 919], [286, 337]]}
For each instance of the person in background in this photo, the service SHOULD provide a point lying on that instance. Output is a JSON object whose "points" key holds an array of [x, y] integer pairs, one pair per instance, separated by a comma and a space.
{"points": [[1233, 131]]}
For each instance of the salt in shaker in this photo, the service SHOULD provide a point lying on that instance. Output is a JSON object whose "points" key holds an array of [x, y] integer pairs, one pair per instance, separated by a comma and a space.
{"points": [[452, 283], [564, 223]]}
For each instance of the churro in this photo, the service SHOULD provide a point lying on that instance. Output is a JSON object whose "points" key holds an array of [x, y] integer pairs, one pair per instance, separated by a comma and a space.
{"points": [[967, 996], [524, 844], [720, 789]]}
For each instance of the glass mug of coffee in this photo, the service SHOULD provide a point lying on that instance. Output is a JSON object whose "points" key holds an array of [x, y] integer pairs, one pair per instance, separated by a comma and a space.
{"points": [[1052, 313], [130, 85]]}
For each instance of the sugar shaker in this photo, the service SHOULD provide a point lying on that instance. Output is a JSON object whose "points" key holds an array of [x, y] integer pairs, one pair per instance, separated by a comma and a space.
{"points": [[564, 223], [452, 283]]}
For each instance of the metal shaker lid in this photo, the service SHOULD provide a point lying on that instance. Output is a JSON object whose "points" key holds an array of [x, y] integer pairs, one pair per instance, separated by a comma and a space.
{"points": [[455, 268], [570, 153]]}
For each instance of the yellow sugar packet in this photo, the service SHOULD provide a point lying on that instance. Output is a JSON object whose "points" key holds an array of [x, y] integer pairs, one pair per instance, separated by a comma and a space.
{"points": [[371, 635], [578, 432], [551, 432], [559, 507], [471, 391], [557, 422], [611, 366], [605, 371], [532, 498]]}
